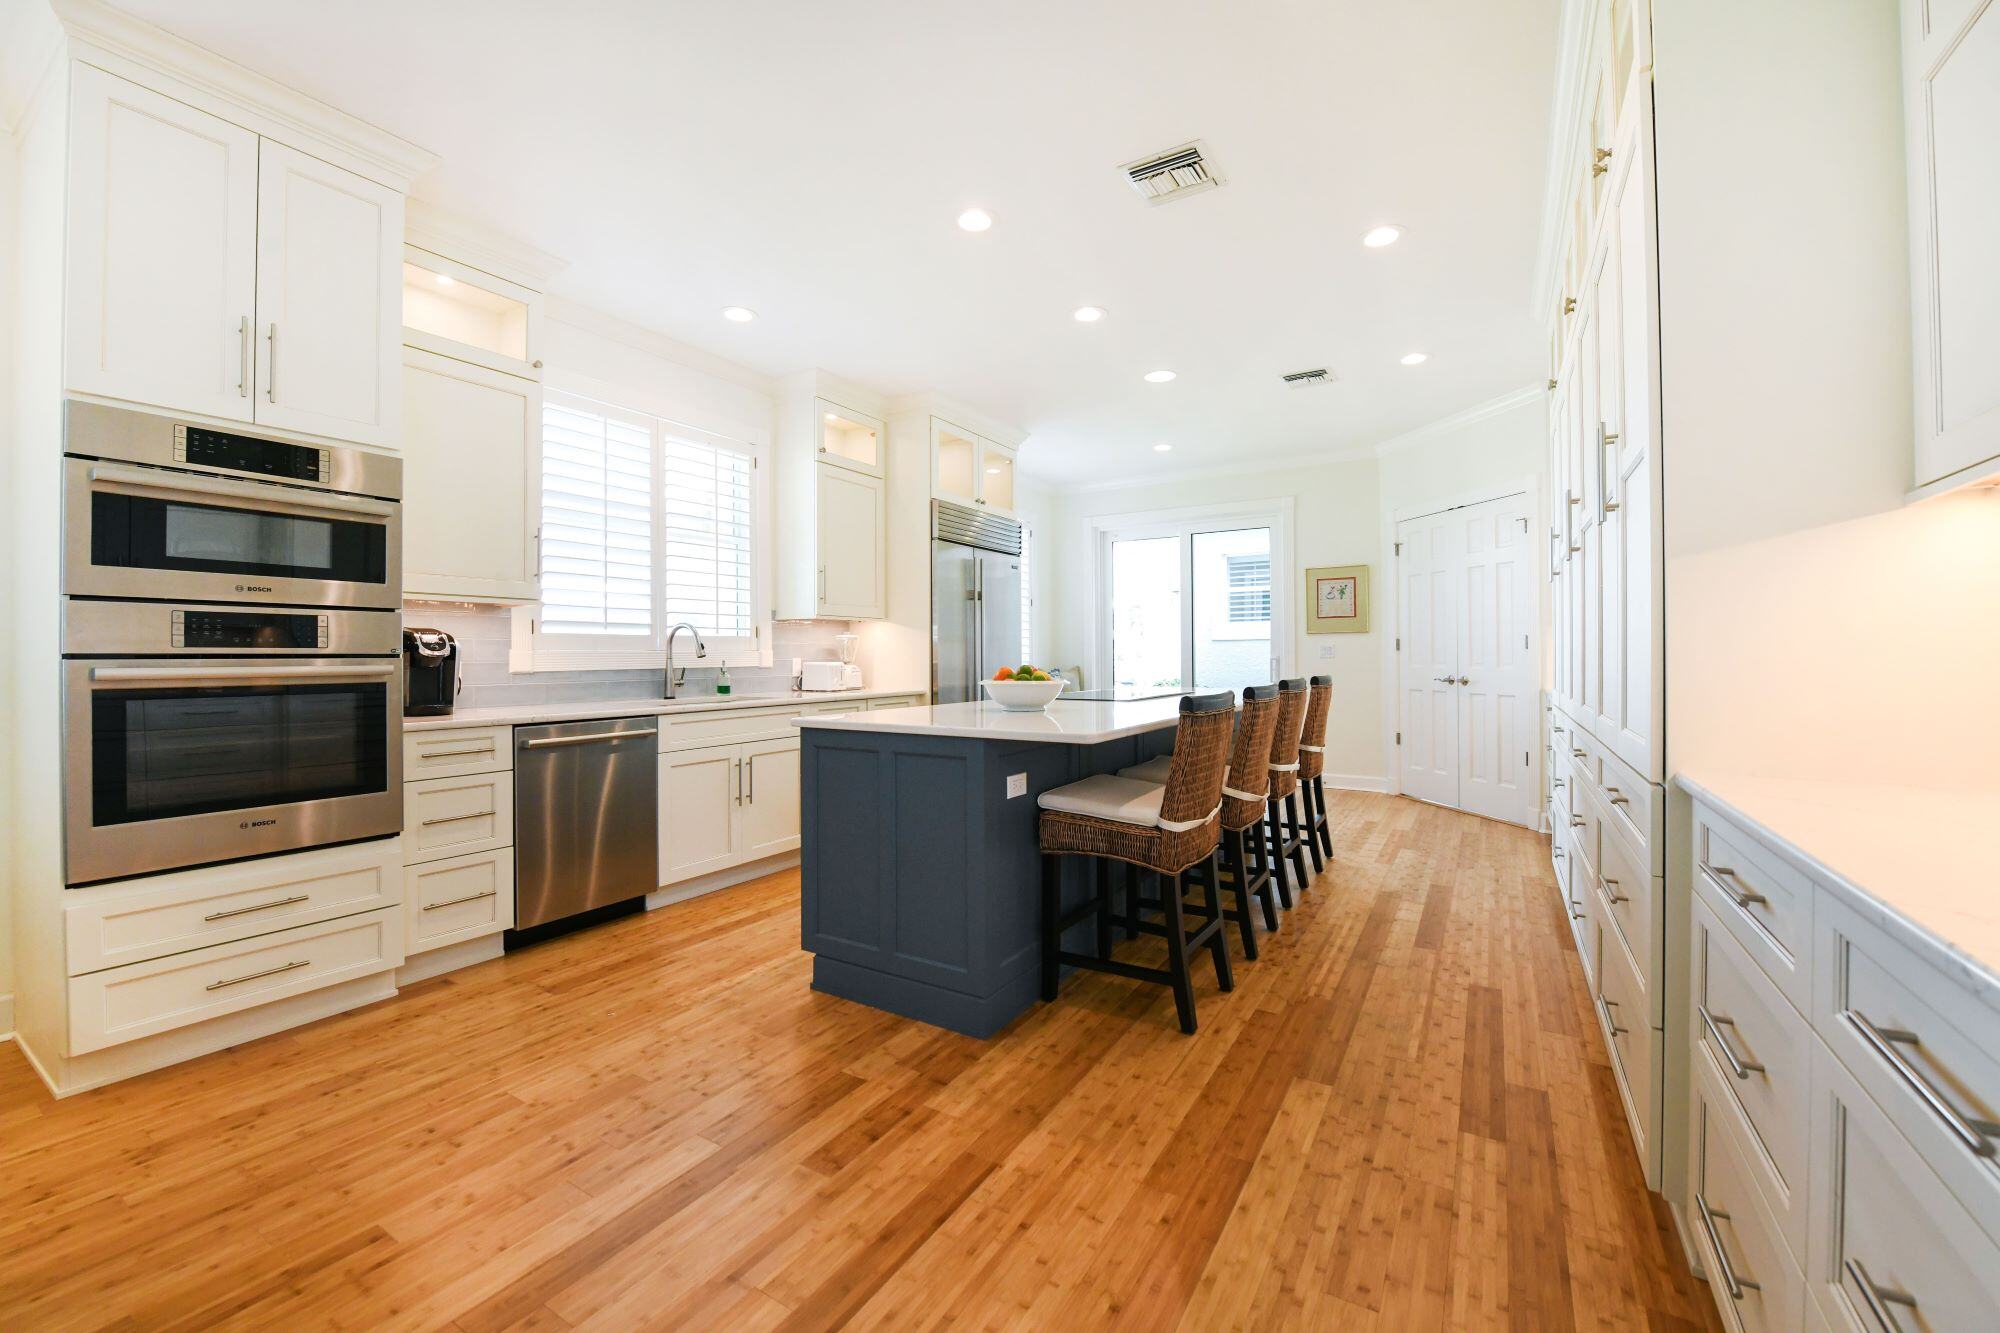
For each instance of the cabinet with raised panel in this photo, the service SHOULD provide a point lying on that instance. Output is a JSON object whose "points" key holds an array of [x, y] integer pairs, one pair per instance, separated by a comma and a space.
{"points": [[214, 271]]}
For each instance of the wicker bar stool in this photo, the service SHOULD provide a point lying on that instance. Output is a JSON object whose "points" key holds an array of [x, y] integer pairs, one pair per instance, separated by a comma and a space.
{"points": [[1245, 859], [1312, 771], [1287, 834], [1164, 829]]}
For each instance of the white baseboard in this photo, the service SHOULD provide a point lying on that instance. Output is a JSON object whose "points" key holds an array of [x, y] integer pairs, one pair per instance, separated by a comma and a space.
{"points": [[721, 879], [1355, 782], [437, 962], [6, 1017]]}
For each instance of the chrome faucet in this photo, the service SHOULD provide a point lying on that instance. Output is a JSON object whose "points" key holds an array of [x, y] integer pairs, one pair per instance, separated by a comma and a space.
{"points": [[700, 650]]}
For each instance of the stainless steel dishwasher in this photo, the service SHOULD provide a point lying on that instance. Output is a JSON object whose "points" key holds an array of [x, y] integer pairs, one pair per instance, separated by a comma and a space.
{"points": [[586, 816]]}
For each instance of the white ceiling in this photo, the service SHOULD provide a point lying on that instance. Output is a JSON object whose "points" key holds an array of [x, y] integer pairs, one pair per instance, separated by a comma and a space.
{"points": [[808, 159]]}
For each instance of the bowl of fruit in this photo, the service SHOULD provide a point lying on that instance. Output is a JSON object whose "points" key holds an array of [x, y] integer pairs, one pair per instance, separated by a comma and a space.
{"points": [[1023, 689]]}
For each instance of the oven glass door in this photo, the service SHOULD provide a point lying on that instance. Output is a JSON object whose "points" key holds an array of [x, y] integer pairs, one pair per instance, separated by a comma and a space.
{"points": [[153, 532], [194, 762]]}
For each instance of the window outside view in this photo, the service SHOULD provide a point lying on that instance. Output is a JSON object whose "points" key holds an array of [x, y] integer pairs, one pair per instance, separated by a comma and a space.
{"points": [[1227, 621]]}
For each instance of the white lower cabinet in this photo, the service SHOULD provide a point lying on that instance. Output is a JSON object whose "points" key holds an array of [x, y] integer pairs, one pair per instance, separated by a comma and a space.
{"points": [[453, 816], [1756, 1282], [460, 898], [725, 805]]}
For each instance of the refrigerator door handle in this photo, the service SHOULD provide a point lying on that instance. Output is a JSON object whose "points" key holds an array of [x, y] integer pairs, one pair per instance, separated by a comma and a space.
{"points": [[975, 667]]}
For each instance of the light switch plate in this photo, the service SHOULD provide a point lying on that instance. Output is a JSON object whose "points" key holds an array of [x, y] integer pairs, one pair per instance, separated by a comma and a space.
{"points": [[1326, 652], [1017, 785]]}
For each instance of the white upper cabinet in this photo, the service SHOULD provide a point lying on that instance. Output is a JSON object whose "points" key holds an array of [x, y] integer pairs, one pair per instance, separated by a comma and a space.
{"points": [[162, 250], [329, 299], [212, 271], [851, 516], [969, 469], [1951, 91], [459, 311], [847, 438], [471, 451]]}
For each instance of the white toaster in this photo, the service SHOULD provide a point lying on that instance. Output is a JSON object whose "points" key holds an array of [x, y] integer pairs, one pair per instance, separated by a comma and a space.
{"points": [[823, 675]]}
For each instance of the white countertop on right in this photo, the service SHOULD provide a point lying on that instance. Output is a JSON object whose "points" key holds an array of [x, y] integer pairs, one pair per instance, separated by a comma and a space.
{"points": [[1927, 860], [1064, 722]]}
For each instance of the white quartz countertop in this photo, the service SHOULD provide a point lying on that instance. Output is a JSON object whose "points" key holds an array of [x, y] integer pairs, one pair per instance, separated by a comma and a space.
{"points": [[529, 714], [1922, 864], [1064, 722]]}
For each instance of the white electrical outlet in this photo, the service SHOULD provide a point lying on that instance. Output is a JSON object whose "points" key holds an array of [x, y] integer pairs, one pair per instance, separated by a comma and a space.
{"points": [[1017, 785], [1326, 652]]}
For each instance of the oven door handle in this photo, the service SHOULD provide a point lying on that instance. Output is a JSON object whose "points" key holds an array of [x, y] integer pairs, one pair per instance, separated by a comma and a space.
{"points": [[187, 483], [239, 675]]}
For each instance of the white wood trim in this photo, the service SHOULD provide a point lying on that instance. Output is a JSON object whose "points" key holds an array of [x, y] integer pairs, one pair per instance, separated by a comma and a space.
{"points": [[132, 47], [1478, 412], [562, 311], [1248, 468], [30, 42], [429, 228]]}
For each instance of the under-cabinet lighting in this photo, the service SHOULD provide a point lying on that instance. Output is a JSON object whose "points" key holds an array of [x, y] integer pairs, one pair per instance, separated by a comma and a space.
{"points": [[1415, 358], [1087, 314], [1163, 448]]}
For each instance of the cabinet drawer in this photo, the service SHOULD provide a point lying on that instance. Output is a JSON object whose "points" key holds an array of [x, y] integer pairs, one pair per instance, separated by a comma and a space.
{"points": [[1761, 1051], [726, 726], [1925, 1049], [900, 701], [1635, 808], [114, 924], [126, 1003], [452, 816], [1763, 902], [1585, 827], [1635, 1051], [1634, 909], [1890, 1245], [460, 898], [457, 752], [1751, 1271]]}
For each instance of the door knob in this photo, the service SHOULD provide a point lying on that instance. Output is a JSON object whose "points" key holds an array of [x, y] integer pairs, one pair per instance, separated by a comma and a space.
{"points": [[1442, 680], [1465, 680]]}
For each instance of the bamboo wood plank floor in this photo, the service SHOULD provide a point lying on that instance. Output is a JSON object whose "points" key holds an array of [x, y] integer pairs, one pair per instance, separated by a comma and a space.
{"points": [[1402, 1118]]}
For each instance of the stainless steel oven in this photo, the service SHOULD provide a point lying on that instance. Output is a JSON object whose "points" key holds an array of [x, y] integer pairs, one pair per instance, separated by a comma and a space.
{"points": [[159, 508], [201, 733]]}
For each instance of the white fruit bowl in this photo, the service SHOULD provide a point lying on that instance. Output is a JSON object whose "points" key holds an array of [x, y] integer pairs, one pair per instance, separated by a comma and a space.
{"points": [[1023, 696]]}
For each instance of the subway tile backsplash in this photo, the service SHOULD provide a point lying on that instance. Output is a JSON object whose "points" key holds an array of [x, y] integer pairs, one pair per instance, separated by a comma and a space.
{"points": [[485, 632]]}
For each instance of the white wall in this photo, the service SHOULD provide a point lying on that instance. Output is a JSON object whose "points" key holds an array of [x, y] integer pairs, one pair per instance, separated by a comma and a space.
{"points": [[8, 191], [1494, 445]]}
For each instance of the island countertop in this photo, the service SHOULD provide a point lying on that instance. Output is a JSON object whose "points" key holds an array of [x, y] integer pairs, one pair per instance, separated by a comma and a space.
{"points": [[1064, 722]]}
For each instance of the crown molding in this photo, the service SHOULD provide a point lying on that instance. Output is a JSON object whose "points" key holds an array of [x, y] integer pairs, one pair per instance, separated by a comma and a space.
{"points": [[1576, 41], [30, 39], [430, 228], [288, 114], [1478, 412], [590, 320], [1258, 467], [959, 413]]}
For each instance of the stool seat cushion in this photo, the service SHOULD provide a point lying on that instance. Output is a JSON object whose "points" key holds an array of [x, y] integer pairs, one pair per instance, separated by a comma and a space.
{"points": [[1153, 770], [1122, 800]]}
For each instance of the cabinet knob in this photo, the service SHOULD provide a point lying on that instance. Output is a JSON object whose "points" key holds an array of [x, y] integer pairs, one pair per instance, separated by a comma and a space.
{"points": [[1569, 305]]}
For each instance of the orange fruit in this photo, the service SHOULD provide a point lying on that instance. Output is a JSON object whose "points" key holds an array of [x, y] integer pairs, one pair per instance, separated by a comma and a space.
{"points": [[1004, 673]]}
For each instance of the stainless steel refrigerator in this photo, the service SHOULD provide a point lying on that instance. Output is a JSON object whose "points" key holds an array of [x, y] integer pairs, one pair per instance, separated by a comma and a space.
{"points": [[975, 599]]}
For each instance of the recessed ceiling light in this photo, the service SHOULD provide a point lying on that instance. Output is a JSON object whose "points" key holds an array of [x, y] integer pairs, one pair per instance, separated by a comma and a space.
{"points": [[1386, 234], [974, 219], [993, 472], [1087, 314], [1415, 359], [1158, 376], [831, 417], [445, 279], [1163, 448], [739, 314]]}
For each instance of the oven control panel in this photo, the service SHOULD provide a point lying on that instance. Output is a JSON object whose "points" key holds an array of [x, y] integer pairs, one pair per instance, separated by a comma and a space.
{"points": [[202, 447], [248, 629]]}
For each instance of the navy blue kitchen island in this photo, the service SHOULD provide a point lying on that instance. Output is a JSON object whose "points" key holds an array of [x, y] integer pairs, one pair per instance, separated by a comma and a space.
{"points": [[919, 857]]}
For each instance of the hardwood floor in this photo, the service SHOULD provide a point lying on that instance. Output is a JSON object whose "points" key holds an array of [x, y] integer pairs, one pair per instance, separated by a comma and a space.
{"points": [[1401, 1118]]}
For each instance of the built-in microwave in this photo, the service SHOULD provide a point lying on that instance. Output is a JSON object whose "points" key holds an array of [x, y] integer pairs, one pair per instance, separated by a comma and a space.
{"points": [[197, 734], [164, 509]]}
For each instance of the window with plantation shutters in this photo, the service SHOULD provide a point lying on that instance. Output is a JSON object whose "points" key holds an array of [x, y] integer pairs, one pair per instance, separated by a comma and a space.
{"points": [[597, 521], [645, 523]]}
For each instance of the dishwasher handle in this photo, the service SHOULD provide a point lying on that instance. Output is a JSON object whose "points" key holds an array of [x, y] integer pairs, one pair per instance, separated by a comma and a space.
{"points": [[595, 738]]}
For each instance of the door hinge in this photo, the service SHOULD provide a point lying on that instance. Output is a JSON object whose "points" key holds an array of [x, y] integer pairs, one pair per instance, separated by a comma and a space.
{"points": [[1524, 641], [1399, 738], [1399, 548], [1524, 759], [1399, 643]]}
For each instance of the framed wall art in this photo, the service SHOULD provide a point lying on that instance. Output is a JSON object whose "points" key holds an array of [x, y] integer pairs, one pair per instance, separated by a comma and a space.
{"points": [[1337, 600]]}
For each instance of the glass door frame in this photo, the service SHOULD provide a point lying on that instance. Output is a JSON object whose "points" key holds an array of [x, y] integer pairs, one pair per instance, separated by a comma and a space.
{"points": [[1184, 523]]}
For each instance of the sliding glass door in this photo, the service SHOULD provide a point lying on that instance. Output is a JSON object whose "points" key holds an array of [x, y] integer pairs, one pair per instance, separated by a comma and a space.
{"points": [[1192, 604]]}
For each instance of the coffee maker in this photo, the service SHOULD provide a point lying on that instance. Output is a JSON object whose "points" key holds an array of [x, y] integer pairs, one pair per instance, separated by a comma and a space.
{"points": [[430, 672]]}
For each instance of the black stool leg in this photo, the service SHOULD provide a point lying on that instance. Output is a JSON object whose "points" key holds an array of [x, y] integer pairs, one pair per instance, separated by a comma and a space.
{"points": [[1218, 947], [1239, 874], [1051, 919], [1295, 841], [1104, 907], [1325, 820], [1274, 840], [1131, 876], [1311, 837], [1177, 959]]}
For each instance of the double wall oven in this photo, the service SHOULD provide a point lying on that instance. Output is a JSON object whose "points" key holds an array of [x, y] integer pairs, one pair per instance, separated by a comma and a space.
{"points": [[231, 642]]}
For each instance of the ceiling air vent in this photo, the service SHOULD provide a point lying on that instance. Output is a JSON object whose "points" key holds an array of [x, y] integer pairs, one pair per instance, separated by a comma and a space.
{"points": [[1305, 379], [1170, 175]]}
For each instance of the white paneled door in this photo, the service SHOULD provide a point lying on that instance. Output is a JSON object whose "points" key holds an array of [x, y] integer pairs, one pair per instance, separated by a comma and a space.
{"points": [[1468, 658]]}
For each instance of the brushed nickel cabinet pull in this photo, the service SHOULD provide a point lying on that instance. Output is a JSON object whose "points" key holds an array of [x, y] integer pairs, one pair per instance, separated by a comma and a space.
{"points": [[1607, 1005], [447, 754], [1737, 1064], [1879, 1298], [260, 907], [1731, 1283], [1617, 797], [1725, 879], [1976, 1135], [750, 779], [468, 898], [267, 972], [243, 358], [271, 368], [458, 819], [1576, 821], [1609, 885]]}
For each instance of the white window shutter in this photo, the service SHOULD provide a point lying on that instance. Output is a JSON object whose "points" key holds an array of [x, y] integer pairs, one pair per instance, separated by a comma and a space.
{"points": [[597, 521]]}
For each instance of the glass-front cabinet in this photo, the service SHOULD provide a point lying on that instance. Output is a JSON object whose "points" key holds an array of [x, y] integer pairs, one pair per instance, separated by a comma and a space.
{"points": [[970, 469], [459, 311], [849, 439]]}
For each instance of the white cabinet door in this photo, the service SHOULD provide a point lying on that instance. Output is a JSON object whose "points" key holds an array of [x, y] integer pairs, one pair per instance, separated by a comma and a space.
{"points": [[850, 544], [1632, 709], [770, 798], [162, 250], [329, 300], [1951, 89], [996, 477], [699, 796], [471, 443]]}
